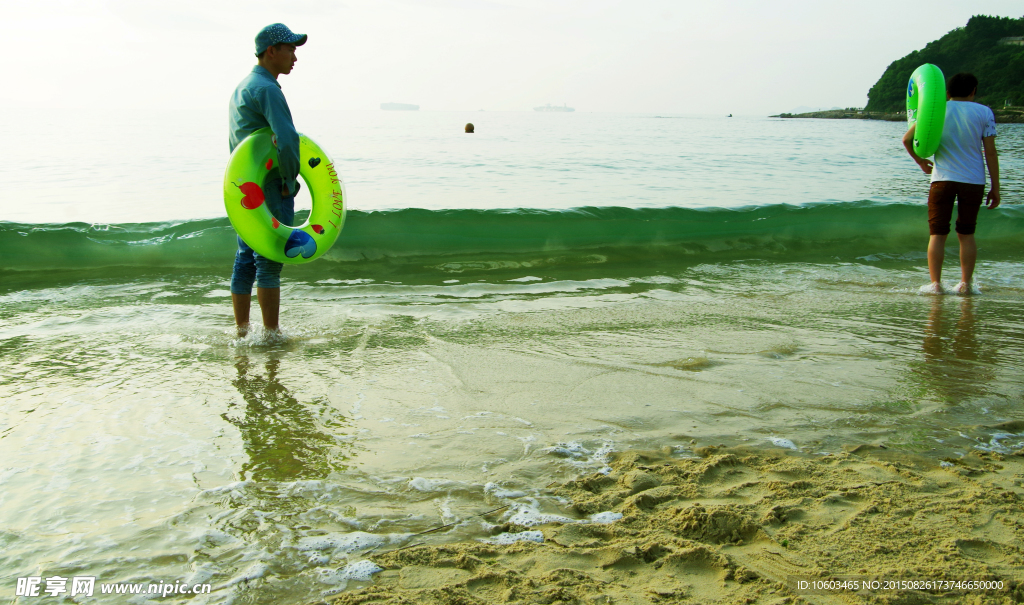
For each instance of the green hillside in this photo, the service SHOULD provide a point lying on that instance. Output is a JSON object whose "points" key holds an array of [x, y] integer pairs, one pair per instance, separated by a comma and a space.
{"points": [[974, 48]]}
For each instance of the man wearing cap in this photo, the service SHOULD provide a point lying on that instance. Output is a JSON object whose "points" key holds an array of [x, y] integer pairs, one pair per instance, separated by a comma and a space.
{"points": [[259, 103]]}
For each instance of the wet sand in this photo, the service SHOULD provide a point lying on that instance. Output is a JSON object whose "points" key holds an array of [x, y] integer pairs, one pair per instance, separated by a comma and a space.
{"points": [[738, 525]]}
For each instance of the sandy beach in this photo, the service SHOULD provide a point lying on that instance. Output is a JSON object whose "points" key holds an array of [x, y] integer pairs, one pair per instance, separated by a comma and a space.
{"points": [[744, 526]]}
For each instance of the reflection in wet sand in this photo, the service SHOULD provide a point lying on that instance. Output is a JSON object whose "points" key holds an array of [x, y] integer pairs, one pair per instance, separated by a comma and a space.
{"points": [[957, 361], [285, 439]]}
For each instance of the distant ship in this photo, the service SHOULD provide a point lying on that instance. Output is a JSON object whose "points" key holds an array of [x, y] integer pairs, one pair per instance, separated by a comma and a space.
{"points": [[399, 107], [550, 107]]}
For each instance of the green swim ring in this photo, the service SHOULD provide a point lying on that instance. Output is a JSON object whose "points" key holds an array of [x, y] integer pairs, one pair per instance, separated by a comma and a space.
{"points": [[926, 107], [247, 169]]}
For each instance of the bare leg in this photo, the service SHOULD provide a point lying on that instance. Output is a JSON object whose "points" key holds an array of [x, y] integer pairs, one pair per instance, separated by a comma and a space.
{"points": [[240, 303], [968, 256], [936, 254], [270, 306]]}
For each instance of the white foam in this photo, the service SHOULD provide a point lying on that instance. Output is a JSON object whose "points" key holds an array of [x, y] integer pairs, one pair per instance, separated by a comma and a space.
{"points": [[345, 542], [257, 336], [995, 443], [999, 436], [933, 288], [431, 485], [530, 516], [318, 558], [501, 493], [511, 538], [605, 517], [580, 456], [572, 449], [360, 571], [786, 443], [527, 278], [963, 288]]}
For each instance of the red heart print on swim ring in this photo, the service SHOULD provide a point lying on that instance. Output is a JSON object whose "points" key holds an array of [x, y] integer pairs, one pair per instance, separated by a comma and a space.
{"points": [[270, 164], [319, 229], [253, 195]]}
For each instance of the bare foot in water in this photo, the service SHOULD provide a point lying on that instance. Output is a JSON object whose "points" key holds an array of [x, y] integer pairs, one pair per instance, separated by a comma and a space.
{"points": [[933, 288], [966, 288]]}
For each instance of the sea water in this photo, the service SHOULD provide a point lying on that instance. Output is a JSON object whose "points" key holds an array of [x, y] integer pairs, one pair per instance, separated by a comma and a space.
{"points": [[503, 310]]}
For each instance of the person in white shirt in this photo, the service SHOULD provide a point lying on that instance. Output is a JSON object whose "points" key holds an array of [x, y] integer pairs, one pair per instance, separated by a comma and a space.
{"points": [[958, 173]]}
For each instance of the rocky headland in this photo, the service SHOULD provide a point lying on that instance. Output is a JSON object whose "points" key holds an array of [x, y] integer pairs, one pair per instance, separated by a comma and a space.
{"points": [[1006, 115], [992, 48]]}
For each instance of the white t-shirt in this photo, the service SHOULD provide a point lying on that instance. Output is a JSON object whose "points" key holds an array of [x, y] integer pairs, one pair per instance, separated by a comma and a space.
{"points": [[960, 156]]}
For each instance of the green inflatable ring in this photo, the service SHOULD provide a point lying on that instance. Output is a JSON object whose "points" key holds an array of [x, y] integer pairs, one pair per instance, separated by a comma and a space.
{"points": [[248, 167], [926, 107]]}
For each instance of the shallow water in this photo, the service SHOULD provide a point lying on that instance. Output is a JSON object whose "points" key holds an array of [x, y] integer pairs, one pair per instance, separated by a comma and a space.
{"points": [[422, 382], [142, 442]]}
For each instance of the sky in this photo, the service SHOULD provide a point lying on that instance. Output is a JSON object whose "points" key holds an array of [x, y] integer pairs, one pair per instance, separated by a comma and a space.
{"points": [[747, 57]]}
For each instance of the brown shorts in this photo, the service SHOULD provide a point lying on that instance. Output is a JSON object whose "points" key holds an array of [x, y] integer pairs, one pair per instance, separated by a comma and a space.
{"points": [[940, 206]]}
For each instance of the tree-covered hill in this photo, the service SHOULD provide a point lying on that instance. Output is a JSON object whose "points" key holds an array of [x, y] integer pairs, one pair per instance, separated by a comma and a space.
{"points": [[974, 48]]}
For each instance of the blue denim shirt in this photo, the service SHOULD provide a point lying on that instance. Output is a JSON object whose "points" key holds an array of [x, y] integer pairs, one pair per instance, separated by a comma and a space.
{"points": [[258, 103]]}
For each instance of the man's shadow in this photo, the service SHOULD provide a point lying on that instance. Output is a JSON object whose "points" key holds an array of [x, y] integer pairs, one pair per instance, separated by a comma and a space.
{"points": [[286, 439]]}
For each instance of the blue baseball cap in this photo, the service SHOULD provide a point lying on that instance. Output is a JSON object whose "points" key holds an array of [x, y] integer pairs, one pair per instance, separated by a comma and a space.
{"points": [[277, 33]]}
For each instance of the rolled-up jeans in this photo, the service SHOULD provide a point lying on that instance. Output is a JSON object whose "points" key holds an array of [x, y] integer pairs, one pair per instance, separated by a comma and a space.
{"points": [[250, 266]]}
